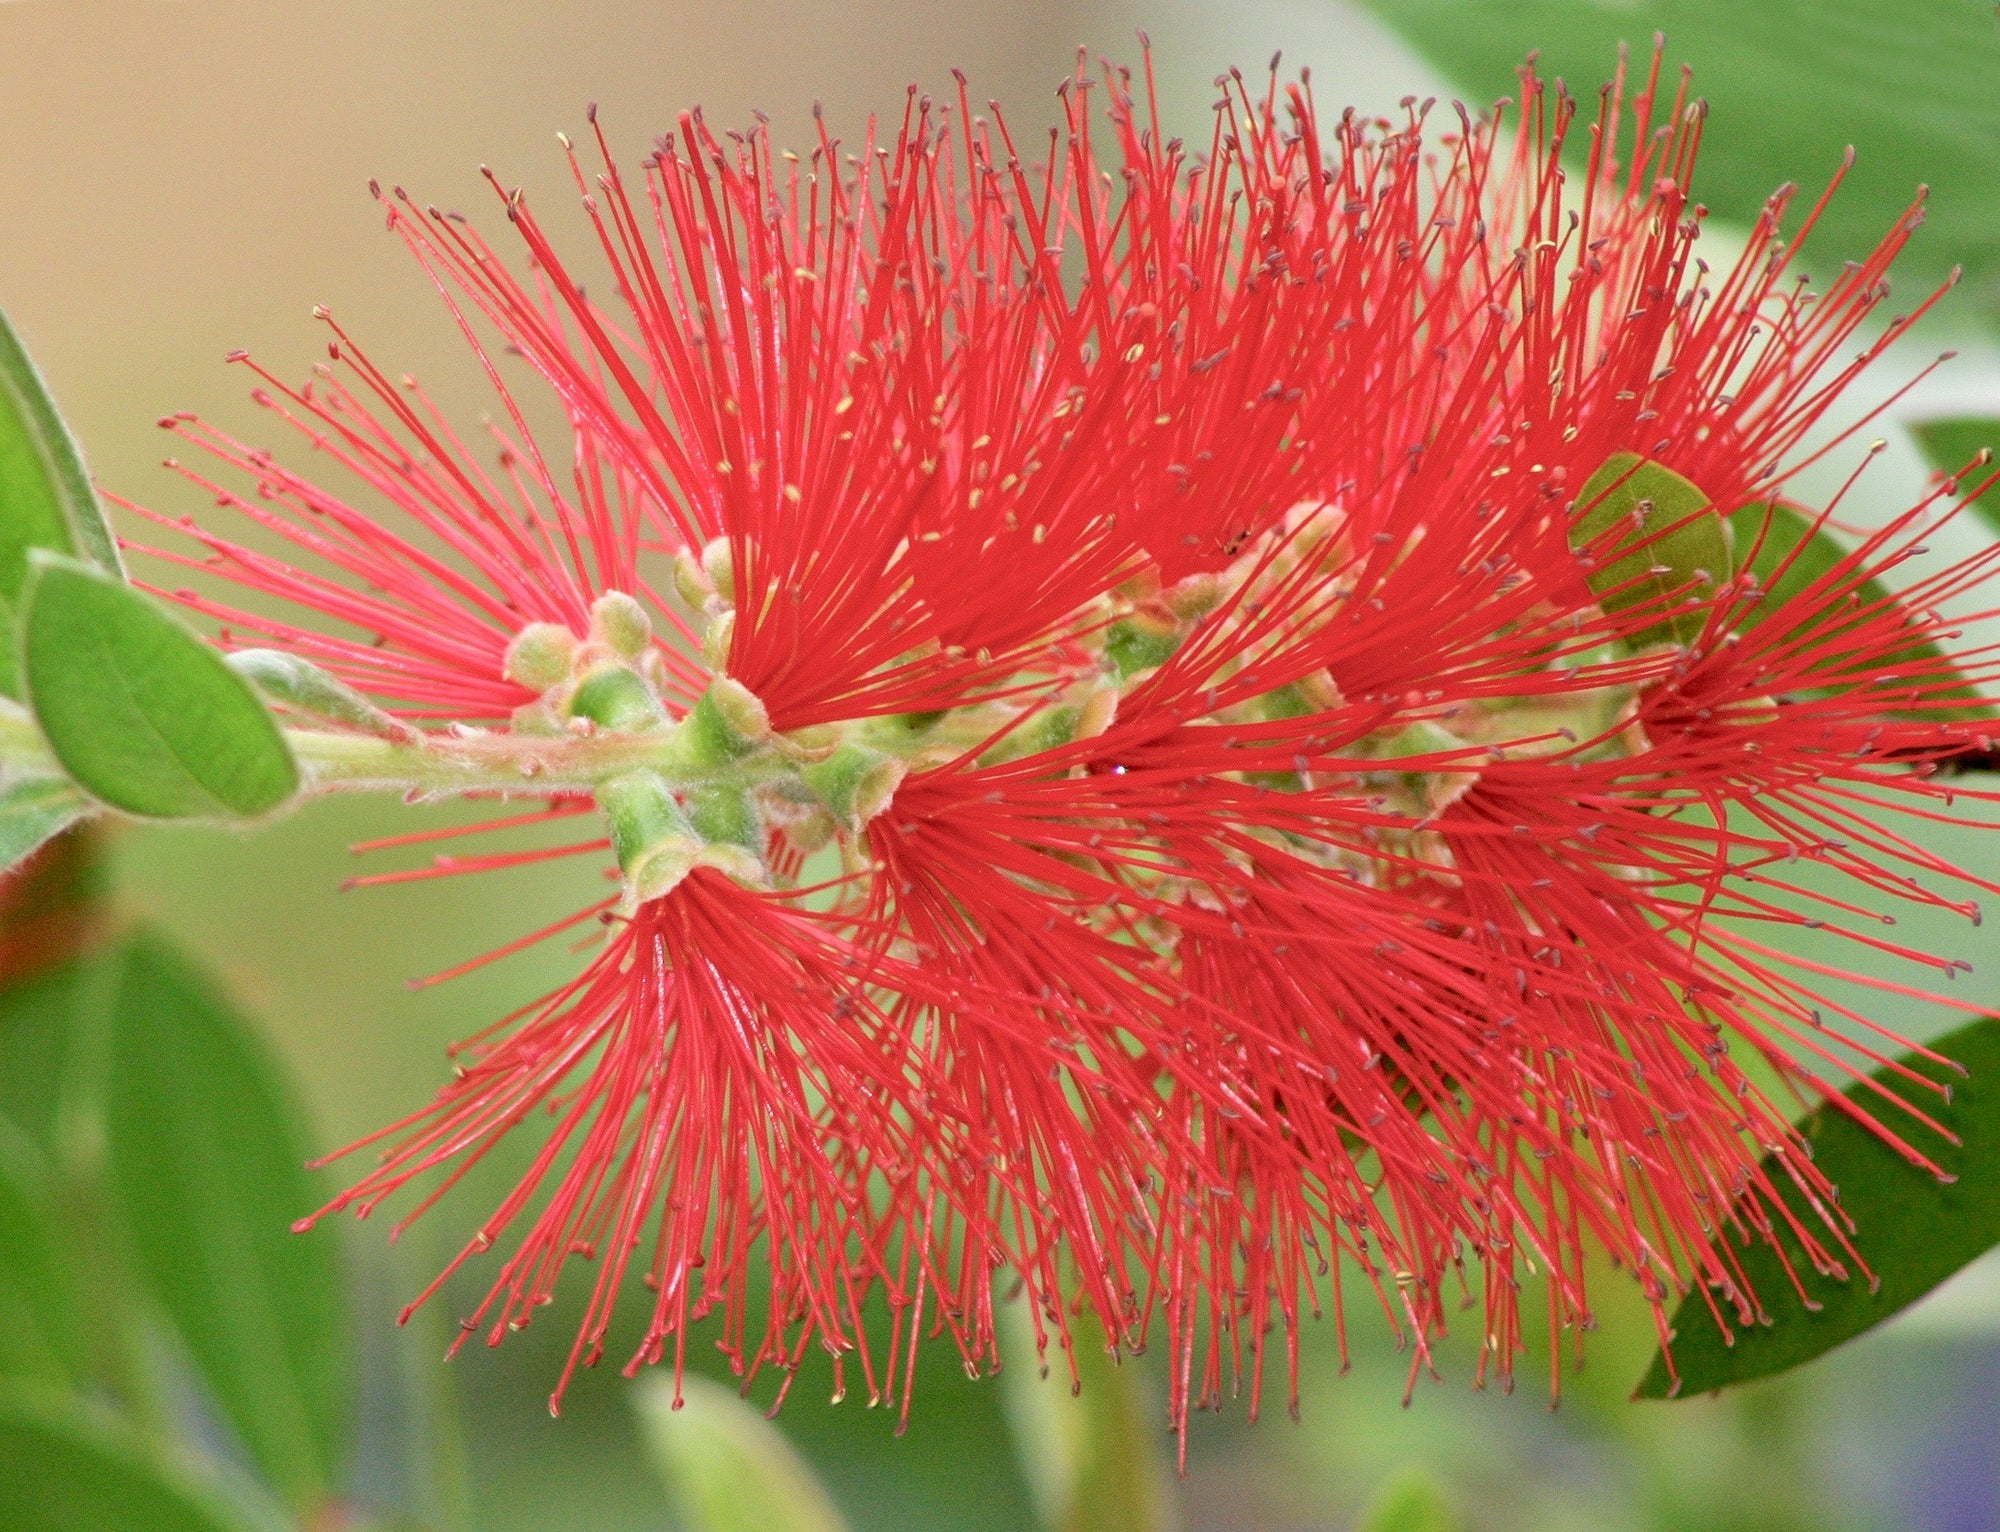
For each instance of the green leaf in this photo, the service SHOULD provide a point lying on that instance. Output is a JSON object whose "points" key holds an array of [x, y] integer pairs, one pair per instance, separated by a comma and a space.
{"points": [[1767, 535], [139, 710], [1669, 557], [67, 1468], [34, 810], [207, 1161], [1091, 1455], [46, 500], [40, 1327], [1412, 1501], [1913, 1231], [728, 1468], [1910, 82], [1951, 446]]}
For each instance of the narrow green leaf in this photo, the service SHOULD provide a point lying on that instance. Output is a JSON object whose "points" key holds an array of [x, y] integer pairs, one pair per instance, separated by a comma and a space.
{"points": [[1640, 523], [138, 709], [727, 1467], [40, 1328], [1766, 537], [33, 810], [1953, 446], [1913, 1231], [1412, 1501], [207, 1160], [46, 499], [67, 1468]]}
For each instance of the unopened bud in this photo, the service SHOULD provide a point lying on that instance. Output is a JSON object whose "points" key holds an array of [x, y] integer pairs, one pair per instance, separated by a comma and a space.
{"points": [[715, 642], [540, 656], [691, 582], [620, 623], [719, 564], [1196, 596]]}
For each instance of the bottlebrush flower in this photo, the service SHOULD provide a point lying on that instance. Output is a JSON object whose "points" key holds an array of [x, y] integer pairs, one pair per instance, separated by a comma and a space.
{"points": [[1183, 730]]}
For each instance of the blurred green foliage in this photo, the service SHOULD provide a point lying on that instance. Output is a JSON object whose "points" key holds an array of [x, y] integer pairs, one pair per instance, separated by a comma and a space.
{"points": [[1792, 84]]}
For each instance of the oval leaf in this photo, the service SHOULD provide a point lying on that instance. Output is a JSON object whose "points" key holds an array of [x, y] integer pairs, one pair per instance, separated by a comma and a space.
{"points": [[46, 499], [66, 1468], [1952, 447], [138, 709], [1913, 1231], [1789, 555], [728, 1468], [1642, 526], [208, 1166]]}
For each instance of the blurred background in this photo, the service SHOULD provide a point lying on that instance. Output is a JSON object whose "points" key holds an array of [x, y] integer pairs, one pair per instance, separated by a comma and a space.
{"points": [[184, 177]]}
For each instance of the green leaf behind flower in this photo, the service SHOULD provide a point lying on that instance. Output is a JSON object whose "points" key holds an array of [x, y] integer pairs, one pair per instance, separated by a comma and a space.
{"points": [[208, 1164], [1670, 556], [141, 712], [1788, 554], [1791, 85], [46, 500], [1913, 1231], [67, 1468], [727, 1467], [1950, 446]]}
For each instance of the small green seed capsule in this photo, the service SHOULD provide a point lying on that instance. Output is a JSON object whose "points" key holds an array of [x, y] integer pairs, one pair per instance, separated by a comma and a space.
{"points": [[620, 623], [540, 656], [615, 698], [719, 564]]}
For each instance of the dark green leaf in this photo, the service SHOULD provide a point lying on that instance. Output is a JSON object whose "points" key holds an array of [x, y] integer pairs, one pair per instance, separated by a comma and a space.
{"points": [[1412, 1501], [67, 1468], [1766, 537], [1913, 1231], [1644, 527], [40, 1328], [207, 1156], [138, 709], [32, 811], [46, 500], [728, 1468], [1953, 446], [1910, 82]]}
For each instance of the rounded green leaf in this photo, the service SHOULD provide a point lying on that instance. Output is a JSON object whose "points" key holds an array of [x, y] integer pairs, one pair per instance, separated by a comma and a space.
{"points": [[141, 712], [67, 1468], [1913, 1230], [728, 1468], [208, 1167], [1642, 525]]}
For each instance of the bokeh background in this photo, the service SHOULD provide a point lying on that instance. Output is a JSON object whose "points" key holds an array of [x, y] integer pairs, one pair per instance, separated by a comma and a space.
{"points": [[183, 177]]}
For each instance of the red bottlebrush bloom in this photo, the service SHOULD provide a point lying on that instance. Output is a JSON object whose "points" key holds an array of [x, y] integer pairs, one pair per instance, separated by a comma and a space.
{"points": [[1226, 723]]}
